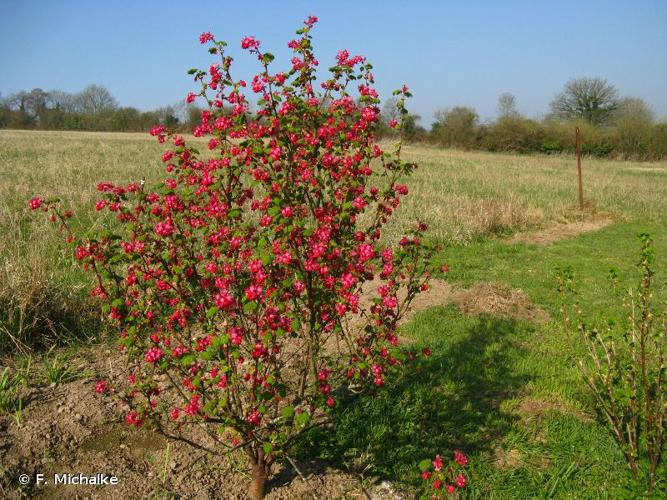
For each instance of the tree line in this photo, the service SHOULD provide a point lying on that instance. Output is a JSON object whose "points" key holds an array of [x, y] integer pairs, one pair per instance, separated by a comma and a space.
{"points": [[94, 108], [611, 126]]}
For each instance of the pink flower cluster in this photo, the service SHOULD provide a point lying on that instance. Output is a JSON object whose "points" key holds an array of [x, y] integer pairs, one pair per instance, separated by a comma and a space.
{"points": [[444, 478]]}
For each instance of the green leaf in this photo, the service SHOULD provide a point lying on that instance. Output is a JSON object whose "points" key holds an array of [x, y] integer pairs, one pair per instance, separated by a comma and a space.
{"points": [[266, 258], [302, 419], [267, 448], [192, 71], [288, 411], [211, 312], [249, 307], [187, 360], [424, 465]]}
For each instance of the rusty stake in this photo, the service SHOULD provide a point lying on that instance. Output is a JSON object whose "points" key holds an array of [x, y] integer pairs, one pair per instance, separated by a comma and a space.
{"points": [[581, 187]]}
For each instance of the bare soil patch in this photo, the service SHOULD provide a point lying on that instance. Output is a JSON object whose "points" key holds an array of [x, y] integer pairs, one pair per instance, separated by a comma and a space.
{"points": [[506, 459], [561, 231], [532, 409], [71, 429]]}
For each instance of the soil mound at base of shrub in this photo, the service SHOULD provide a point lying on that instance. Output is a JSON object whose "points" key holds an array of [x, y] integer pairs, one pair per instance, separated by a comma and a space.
{"points": [[499, 300], [559, 232]]}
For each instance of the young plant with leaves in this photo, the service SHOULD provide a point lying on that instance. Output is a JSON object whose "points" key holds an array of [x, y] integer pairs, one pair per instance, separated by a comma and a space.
{"points": [[626, 369]]}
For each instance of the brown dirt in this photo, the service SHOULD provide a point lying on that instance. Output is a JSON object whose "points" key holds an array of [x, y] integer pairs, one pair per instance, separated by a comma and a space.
{"points": [[531, 409], [561, 231], [513, 458], [499, 300], [506, 459], [70, 429]]}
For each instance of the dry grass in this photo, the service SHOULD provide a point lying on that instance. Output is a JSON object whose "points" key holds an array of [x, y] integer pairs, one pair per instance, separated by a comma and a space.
{"points": [[466, 195], [461, 195]]}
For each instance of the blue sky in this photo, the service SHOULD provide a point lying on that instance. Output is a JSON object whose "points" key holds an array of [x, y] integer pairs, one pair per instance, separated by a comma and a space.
{"points": [[449, 53]]}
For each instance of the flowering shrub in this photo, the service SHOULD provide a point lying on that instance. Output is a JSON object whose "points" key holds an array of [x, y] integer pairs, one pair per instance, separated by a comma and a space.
{"points": [[236, 284], [444, 479]]}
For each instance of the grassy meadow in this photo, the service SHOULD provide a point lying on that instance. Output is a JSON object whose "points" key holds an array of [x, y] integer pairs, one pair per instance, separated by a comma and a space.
{"points": [[506, 391]]}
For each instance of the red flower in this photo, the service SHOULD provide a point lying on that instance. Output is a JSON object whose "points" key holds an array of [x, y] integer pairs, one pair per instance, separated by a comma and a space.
{"points": [[249, 42], [461, 481], [153, 355], [460, 458], [205, 37], [35, 203], [133, 418], [254, 418]]}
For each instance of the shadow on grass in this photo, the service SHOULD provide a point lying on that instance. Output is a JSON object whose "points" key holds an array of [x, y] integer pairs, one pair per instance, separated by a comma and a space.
{"points": [[453, 403]]}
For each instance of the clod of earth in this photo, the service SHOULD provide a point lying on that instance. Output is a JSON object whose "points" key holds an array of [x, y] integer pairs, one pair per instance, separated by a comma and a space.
{"points": [[559, 232], [498, 299]]}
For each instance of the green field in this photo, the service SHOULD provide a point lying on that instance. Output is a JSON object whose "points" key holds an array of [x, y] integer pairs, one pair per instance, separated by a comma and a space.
{"points": [[505, 390]]}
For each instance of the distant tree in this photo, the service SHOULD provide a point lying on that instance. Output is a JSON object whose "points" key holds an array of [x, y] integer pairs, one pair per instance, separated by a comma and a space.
{"points": [[591, 99], [5, 113], [507, 105], [633, 132], [95, 99], [635, 110], [21, 104], [411, 130], [456, 126], [167, 116], [37, 105], [125, 120], [63, 101], [390, 110], [192, 116]]}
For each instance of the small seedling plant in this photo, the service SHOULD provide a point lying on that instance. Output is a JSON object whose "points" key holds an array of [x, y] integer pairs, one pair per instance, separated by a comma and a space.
{"points": [[252, 288], [626, 369]]}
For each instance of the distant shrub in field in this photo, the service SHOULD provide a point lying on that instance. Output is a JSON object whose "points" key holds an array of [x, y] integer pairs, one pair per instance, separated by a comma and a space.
{"points": [[657, 145], [560, 134], [626, 369], [514, 133], [236, 283], [456, 127]]}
